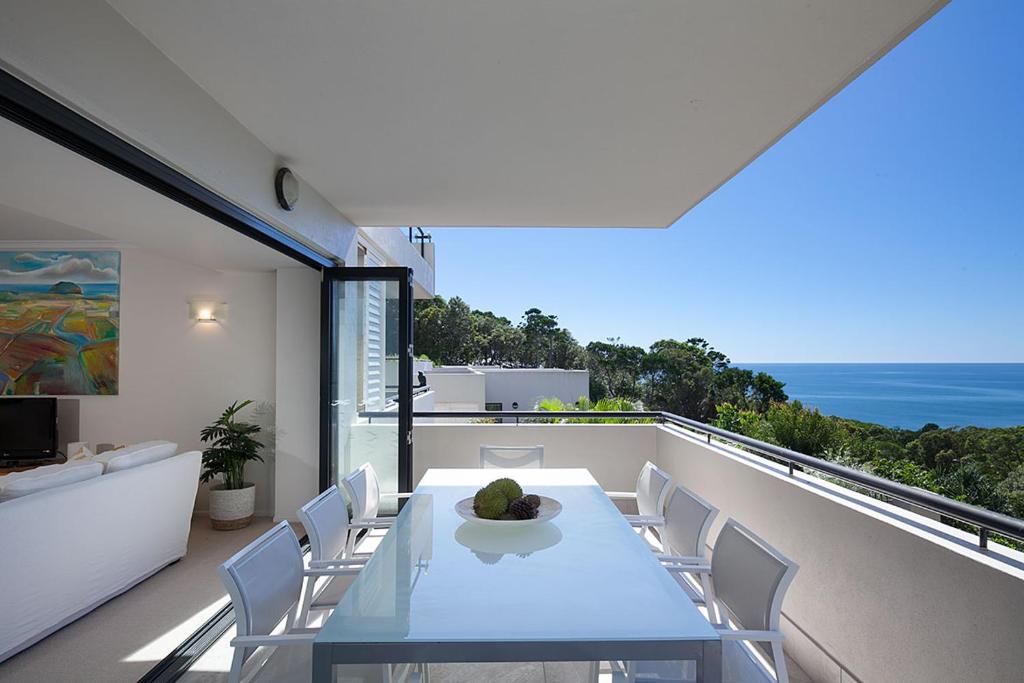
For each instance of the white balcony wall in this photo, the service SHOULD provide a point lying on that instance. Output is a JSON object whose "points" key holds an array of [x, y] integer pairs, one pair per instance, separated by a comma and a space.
{"points": [[613, 453], [882, 594]]}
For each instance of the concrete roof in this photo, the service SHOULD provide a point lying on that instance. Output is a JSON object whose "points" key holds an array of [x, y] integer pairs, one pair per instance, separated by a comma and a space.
{"points": [[525, 113]]}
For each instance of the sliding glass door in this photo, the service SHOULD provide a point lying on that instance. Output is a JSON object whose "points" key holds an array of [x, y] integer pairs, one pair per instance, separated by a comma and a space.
{"points": [[366, 375]]}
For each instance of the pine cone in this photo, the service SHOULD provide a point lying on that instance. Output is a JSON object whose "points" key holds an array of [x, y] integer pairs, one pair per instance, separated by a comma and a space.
{"points": [[520, 508], [533, 499]]}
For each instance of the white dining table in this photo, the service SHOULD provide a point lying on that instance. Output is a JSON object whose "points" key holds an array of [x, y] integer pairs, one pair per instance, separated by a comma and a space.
{"points": [[581, 587]]}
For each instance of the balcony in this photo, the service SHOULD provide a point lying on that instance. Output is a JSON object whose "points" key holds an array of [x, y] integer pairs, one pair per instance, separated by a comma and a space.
{"points": [[883, 593]]}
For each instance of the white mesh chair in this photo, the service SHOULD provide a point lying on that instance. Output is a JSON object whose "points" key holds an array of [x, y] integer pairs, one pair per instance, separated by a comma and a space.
{"points": [[684, 536], [326, 521], [652, 488], [749, 579], [363, 490], [511, 456], [264, 580]]}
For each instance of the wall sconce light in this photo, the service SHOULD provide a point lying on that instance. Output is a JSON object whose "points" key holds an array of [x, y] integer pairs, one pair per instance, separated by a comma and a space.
{"points": [[207, 311]]}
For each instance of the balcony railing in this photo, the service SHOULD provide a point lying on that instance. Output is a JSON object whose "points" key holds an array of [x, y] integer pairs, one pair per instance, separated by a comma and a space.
{"points": [[422, 237], [985, 521]]}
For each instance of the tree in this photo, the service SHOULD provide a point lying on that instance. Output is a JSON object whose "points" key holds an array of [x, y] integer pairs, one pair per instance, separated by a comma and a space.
{"points": [[545, 344], [766, 391], [678, 377], [443, 330], [732, 385], [1012, 490], [496, 342], [614, 369], [803, 430], [538, 337]]}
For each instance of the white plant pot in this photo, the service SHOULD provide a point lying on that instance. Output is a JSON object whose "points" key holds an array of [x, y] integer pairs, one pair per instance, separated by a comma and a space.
{"points": [[232, 509]]}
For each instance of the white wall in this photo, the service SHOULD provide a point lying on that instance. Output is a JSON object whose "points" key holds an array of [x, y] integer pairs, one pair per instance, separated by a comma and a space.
{"points": [[457, 388], [87, 55], [614, 453], [527, 386], [297, 468], [176, 375], [399, 251]]}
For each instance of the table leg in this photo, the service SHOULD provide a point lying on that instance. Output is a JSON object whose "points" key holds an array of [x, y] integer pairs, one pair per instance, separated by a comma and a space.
{"points": [[322, 666], [709, 666]]}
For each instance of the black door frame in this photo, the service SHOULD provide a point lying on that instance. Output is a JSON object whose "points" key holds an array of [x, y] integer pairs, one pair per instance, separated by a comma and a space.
{"points": [[328, 340]]}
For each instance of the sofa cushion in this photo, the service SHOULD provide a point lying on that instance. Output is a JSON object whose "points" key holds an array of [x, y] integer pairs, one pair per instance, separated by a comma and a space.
{"points": [[37, 480], [39, 471], [136, 455]]}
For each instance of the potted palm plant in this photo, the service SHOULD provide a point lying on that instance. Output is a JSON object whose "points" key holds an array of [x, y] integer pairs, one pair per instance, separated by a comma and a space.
{"points": [[232, 444]]}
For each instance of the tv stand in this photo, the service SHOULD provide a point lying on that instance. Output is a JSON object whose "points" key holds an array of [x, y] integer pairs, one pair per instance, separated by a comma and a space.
{"points": [[8, 466]]}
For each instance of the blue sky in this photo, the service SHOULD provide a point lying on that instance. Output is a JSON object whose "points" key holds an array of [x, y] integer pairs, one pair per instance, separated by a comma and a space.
{"points": [[888, 226]]}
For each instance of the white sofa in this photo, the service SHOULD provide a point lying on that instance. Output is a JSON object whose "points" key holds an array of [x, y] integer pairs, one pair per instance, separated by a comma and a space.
{"points": [[66, 550]]}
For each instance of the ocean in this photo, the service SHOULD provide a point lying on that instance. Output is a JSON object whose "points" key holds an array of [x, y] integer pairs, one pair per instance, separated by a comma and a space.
{"points": [[908, 395]]}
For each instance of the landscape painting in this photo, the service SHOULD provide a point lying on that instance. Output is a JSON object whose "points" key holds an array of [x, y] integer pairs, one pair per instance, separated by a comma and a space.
{"points": [[59, 322]]}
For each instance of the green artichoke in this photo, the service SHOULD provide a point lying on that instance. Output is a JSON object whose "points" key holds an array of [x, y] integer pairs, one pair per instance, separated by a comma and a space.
{"points": [[489, 503], [508, 488]]}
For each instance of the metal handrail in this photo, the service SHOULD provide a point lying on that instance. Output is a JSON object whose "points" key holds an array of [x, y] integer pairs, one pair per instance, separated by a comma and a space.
{"points": [[421, 237], [985, 520]]}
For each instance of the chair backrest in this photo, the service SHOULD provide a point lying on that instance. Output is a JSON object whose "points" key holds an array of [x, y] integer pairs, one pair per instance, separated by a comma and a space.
{"points": [[511, 456], [750, 577], [326, 521], [688, 518], [264, 580], [363, 489], [652, 487]]}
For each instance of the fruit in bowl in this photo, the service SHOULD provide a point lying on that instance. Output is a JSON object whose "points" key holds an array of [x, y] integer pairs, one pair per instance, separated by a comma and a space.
{"points": [[503, 499]]}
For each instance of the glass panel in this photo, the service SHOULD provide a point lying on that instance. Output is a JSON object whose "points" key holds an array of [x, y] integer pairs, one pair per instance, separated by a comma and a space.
{"points": [[365, 361]]}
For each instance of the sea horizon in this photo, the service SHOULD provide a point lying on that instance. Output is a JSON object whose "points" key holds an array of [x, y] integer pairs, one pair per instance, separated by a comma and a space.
{"points": [[907, 395]]}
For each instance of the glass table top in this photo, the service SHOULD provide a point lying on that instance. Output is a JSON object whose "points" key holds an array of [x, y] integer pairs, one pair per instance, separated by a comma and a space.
{"points": [[584, 576]]}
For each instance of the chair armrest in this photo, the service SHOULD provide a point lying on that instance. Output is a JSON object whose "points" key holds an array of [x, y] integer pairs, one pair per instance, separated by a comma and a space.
{"points": [[335, 571], [681, 559], [304, 636], [621, 495], [326, 564], [689, 568], [640, 520], [383, 523], [757, 636]]}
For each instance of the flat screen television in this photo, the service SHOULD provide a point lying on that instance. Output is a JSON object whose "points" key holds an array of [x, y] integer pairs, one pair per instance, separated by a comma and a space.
{"points": [[28, 428]]}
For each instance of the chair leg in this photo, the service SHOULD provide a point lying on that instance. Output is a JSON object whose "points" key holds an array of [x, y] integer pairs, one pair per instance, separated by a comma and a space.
{"points": [[306, 600], [781, 672], [709, 599], [350, 543], [237, 660]]}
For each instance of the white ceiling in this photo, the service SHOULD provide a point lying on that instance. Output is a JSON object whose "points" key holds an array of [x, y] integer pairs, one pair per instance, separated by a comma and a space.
{"points": [[49, 193], [521, 112]]}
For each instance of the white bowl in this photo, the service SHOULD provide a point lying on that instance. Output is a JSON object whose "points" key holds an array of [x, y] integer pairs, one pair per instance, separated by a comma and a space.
{"points": [[548, 510]]}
